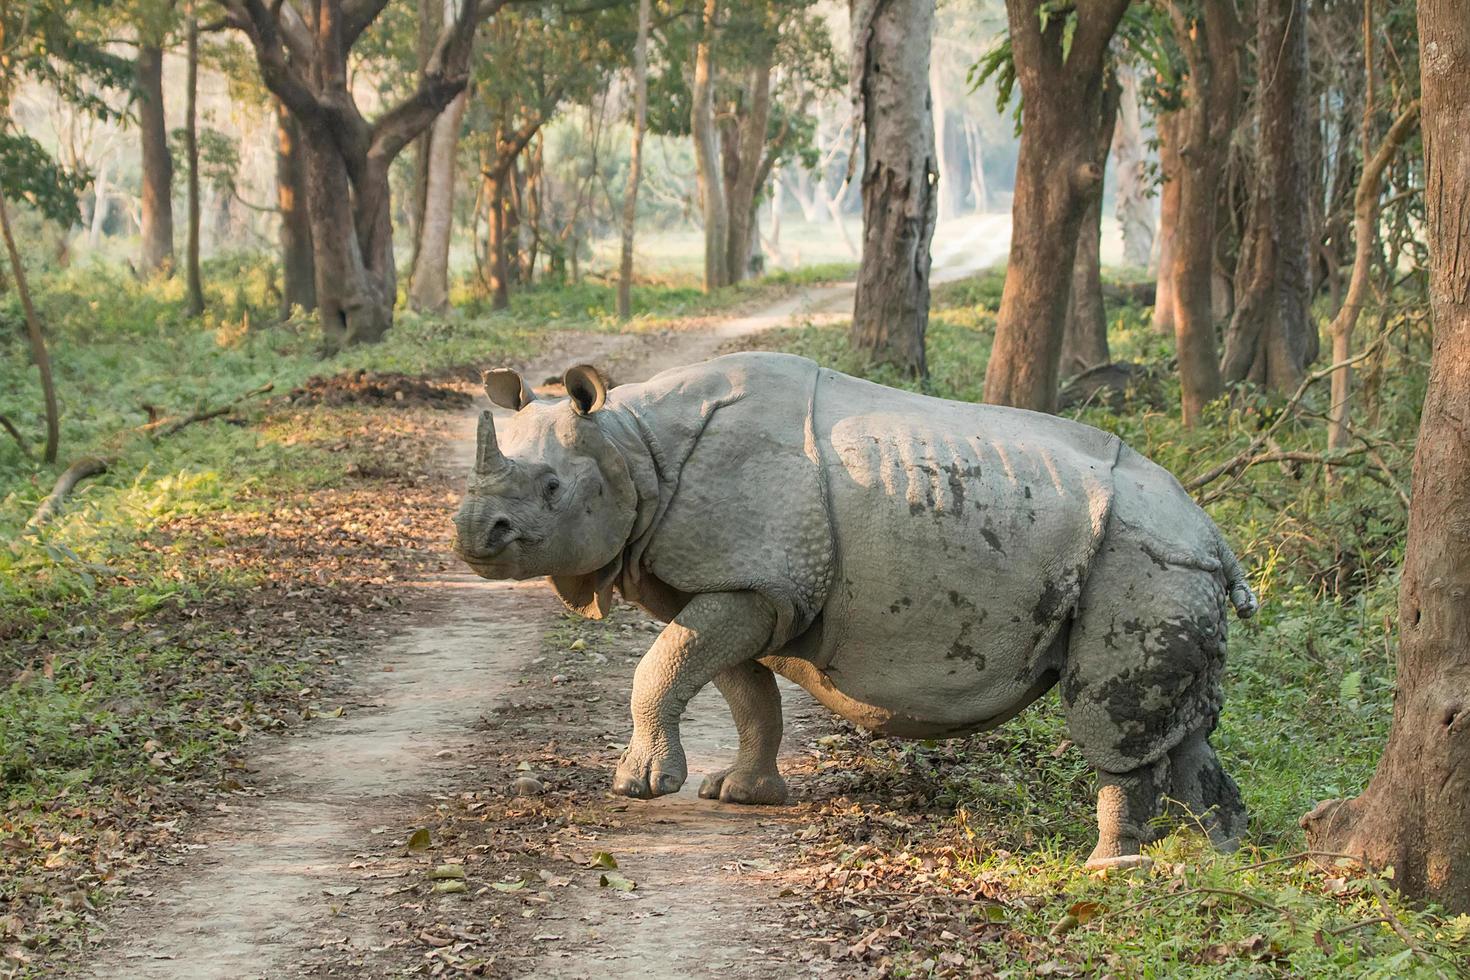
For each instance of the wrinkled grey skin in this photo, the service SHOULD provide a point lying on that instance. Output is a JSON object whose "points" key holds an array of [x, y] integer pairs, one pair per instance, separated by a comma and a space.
{"points": [[924, 568]]}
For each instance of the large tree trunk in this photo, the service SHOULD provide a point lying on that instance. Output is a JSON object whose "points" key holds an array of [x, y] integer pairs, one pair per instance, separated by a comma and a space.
{"points": [[1167, 128], [158, 166], [429, 288], [497, 264], [297, 264], [1412, 815], [1057, 178], [195, 304], [745, 182], [707, 154], [1085, 336], [1211, 42], [635, 160], [891, 41], [354, 269], [1133, 204], [1272, 337]]}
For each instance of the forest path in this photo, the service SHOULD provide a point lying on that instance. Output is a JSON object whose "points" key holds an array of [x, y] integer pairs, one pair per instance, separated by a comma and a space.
{"points": [[312, 874]]}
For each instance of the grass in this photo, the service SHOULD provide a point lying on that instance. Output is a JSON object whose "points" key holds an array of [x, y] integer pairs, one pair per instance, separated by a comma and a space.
{"points": [[1308, 702]]}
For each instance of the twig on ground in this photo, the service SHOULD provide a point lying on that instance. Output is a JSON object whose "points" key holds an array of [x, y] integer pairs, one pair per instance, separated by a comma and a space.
{"points": [[161, 428]]}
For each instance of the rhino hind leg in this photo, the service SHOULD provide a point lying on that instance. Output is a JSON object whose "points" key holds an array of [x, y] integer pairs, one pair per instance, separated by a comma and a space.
{"points": [[1203, 795], [755, 704], [1142, 689]]}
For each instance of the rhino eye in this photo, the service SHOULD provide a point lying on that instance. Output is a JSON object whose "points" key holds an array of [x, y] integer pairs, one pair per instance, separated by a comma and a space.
{"points": [[552, 486]]}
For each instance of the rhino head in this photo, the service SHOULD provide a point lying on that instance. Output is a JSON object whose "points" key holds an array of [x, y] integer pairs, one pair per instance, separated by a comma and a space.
{"points": [[550, 493]]}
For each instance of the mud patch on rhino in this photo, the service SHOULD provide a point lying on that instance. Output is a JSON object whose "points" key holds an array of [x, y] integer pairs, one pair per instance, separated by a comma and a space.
{"points": [[962, 648]]}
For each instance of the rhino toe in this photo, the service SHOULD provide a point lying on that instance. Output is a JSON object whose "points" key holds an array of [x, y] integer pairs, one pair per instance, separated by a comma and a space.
{"points": [[743, 786]]}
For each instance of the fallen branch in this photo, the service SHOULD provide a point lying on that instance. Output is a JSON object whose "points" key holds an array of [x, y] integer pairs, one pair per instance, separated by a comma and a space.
{"points": [[1343, 458], [20, 440], [90, 466], [87, 466], [161, 428]]}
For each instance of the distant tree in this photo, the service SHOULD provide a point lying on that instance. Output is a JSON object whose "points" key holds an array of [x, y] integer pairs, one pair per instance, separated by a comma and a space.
{"points": [[1411, 817], [1085, 333], [303, 57], [1057, 54], [1272, 336], [635, 159], [1135, 207], [194, 305], [156, 205], [1210, 37], [890, 92], [706, 152]]}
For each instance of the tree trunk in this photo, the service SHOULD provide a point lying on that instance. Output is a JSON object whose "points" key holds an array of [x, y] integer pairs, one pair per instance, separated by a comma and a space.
{"points": [[428, 290], [195, 304], [707, 154], [1365, 240], [352, 268], [1211, 43], [744, 183], [497, 263], [1134, 208], [158, 166], [1272, 336], [891, 63], [1057, 178], [1167, 128], [1085, 335], [297, 265], [975, 148], [635, 160], [430, 24], [1412, 815], [39, 354]]}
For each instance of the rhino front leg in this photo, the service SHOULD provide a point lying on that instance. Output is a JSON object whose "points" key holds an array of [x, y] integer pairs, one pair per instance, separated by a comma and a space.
{"points": [[755, 704], [713, 633]]}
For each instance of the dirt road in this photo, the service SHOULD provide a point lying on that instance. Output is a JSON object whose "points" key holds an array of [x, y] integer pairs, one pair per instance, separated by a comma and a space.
{"points": [[389, 841]]}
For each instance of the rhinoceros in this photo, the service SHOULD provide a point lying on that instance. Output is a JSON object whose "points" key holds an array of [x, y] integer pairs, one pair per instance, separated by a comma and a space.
{"points": [[924, 568]]}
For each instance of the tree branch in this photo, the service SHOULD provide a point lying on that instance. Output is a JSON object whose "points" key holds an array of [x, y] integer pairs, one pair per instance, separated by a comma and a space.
{"points": [[20, 441], [260, 25], [445, 76]]}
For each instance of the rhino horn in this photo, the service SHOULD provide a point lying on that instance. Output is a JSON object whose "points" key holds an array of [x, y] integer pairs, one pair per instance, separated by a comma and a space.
{"points": [[488, 459]]}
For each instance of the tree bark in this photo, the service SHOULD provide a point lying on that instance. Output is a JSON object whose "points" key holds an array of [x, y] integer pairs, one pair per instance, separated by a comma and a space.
{"points": [[430, 25], [635, 160], [1272, 336], [429, 288], [891, 40], [1167, 128], [1085, 335], [195, 282], [707, 155], [497, 261], [1057, 178], [1211, 43], [297, 264], [158, 167], [1133, 206], [1412, 814], [746, 180]]}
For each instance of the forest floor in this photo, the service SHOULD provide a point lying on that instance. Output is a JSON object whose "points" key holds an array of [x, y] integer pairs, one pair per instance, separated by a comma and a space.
{"points": [[385, 837]]}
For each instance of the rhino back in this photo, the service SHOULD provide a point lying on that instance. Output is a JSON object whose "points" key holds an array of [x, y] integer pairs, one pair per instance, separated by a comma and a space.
{"points": [[963, 534]]}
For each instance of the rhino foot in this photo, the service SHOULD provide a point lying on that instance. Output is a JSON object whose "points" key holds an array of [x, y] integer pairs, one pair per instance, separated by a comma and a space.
{"points": [[744, 786], [644, 776]]}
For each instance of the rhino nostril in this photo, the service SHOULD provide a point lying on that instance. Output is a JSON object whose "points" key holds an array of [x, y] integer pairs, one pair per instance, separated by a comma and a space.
{"points": [[499, 536]]}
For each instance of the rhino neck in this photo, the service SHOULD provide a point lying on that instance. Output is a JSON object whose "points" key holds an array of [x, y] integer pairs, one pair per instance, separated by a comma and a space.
{"points": [[653, 486]]}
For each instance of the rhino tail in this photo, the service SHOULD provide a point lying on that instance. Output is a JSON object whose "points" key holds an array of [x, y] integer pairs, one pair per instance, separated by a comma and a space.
{"points": [[1241, 597]]}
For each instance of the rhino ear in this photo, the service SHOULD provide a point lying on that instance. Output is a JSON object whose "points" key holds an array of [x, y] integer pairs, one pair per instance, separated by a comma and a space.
{"points": [[589, 595], [507, 389], [586, 387]]}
